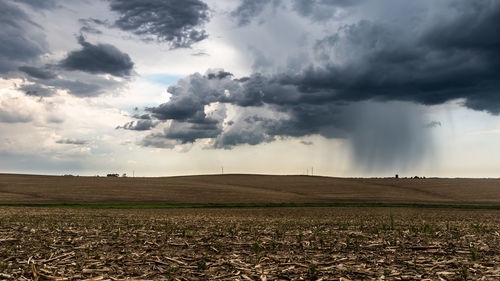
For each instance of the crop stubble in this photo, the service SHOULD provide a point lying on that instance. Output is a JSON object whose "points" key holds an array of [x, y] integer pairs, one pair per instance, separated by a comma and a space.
{"points": [[250, 244]]}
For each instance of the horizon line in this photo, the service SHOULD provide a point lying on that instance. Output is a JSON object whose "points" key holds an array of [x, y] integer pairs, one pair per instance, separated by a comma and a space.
{"points": [[248, 174]]}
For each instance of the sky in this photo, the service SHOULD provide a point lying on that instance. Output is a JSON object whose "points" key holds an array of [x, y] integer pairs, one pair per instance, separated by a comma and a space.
{"points": [[347, 88]]}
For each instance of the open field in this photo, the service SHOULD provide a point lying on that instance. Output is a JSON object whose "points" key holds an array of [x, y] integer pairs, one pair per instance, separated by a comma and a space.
{"points": [[250, 244], [245, 189], [300, 243]]}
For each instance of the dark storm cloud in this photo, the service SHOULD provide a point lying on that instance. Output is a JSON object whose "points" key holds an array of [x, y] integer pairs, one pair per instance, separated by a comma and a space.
{"points": [[72, 141], [139, 125], [363, 87], [191, 95], [39, 73], [454, 59], [176, 22], [306, 113], [487, 100], [23, 41], [97, 59], [476, 28]]}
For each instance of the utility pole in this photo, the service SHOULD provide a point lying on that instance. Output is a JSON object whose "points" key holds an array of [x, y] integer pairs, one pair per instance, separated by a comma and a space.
{"points": [[312, 171], [222, 168], [133, 173]]}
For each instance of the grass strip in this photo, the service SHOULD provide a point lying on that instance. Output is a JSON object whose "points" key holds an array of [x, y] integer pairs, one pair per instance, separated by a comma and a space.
{"points": [[244, 205]]}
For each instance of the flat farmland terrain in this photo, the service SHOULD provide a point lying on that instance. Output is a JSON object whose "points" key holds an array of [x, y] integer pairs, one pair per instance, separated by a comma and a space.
{"points": [[249, 244], [54, 240], [33, 189]]}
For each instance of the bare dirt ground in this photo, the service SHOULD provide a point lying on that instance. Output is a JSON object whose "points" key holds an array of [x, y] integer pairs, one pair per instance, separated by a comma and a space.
{"points": [[249, 244], [245, 189]]}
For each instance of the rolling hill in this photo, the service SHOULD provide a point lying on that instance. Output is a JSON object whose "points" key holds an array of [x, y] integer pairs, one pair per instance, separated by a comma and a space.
{"points": [[242, 188]]}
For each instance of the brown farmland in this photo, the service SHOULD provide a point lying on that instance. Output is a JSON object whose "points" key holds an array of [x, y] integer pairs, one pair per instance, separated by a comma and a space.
{"points": [[245, 189], [249, 244], [300, 243]]}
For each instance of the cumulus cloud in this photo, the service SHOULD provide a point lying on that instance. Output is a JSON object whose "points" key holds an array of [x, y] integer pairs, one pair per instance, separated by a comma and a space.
{"points": [[178, 23], [265, 110], [98, 59], [190, 96]]}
